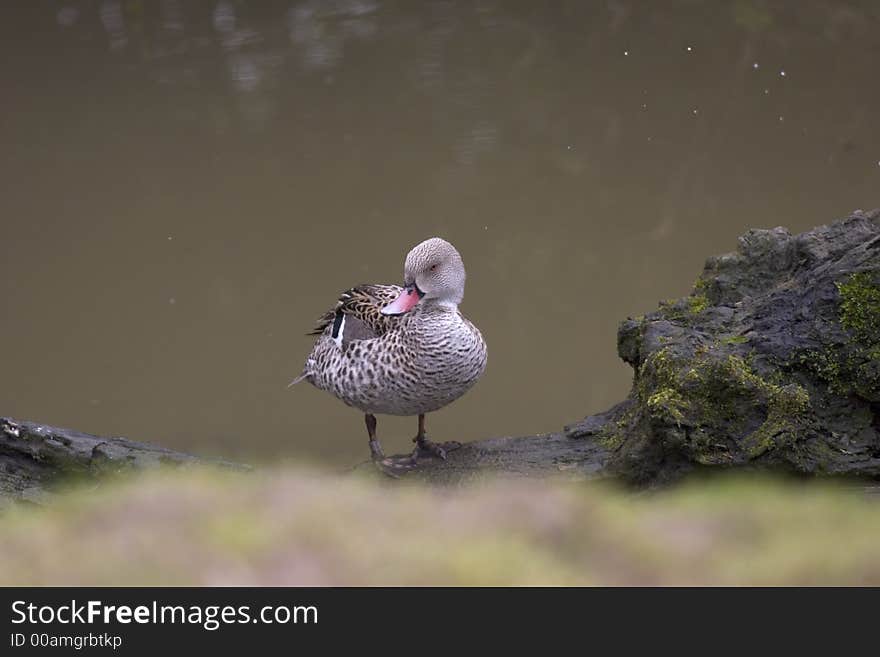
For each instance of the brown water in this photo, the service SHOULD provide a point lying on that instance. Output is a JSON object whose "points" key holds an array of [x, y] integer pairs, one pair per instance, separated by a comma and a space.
{"points": [[186, 186]]}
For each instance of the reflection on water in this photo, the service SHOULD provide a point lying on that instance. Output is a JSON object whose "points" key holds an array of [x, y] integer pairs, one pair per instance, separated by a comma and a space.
{"points": [[188, 184]]}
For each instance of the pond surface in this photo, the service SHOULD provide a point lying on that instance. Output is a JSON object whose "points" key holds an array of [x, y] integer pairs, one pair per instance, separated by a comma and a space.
{"points": [[187, 185]]}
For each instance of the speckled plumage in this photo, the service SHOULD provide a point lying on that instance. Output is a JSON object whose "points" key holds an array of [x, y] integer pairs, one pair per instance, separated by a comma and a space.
{"points": [[407, 364], [417, 363]]}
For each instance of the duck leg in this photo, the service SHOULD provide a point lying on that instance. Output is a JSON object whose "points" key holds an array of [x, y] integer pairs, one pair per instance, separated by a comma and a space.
{"points": [[390, 466], [425, 446], [376, 452]]}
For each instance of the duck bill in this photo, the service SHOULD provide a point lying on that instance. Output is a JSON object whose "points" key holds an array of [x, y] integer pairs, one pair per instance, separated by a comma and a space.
{"points": [[406, 301]]}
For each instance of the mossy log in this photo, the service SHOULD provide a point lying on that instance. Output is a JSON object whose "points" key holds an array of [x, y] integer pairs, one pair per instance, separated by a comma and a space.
{"points": [[772, 362]]}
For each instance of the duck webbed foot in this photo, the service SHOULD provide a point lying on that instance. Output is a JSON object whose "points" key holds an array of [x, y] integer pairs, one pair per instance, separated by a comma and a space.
{"points": [[391, 466], [395, 466], [429, 448], [425, 447]]}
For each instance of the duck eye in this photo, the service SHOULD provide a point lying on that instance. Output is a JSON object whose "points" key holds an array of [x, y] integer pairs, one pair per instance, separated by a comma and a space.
{"points": [[433, 267]]}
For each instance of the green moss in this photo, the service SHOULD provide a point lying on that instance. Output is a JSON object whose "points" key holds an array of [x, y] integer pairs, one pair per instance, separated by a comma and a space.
{"points": [[699, 300], [736, 339], [713, 396], [681, 310], [697, 304], [611, 440], [828, 365], [667, 400], [657, 375], [860, 307], [785, 405], [670, 310], [701, 285], [614, 434], [853, 367]]}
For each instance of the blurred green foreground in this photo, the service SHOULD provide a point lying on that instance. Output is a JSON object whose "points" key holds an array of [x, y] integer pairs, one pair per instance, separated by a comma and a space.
{"points": [[296, 527]]}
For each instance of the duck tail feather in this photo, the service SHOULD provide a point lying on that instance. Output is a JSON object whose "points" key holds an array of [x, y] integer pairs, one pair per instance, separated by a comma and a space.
{"points": [[298, 379]]}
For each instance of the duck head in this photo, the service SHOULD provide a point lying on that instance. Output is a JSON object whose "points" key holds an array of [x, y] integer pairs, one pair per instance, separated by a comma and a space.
{"points": [[433, 273]]}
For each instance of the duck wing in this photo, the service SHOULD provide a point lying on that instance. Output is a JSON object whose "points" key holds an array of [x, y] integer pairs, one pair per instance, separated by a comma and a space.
{"points": [[357, 316]]}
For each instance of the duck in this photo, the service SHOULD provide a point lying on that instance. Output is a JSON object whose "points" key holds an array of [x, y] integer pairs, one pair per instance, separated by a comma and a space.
{"points": [[403, 350]]}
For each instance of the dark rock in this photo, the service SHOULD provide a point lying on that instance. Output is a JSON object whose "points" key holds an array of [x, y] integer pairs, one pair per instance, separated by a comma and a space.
{"points": [[773, 361], [35, 457]]}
